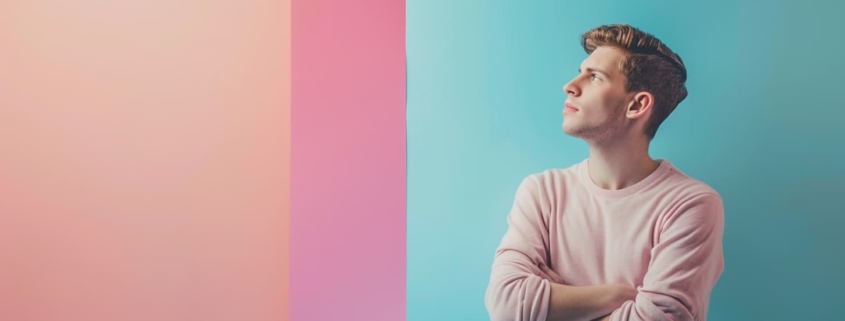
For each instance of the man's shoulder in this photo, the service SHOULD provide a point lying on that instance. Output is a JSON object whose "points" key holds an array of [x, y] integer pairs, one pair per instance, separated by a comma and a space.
{"points": [[556, 173], [684, 188], [553, 181]]}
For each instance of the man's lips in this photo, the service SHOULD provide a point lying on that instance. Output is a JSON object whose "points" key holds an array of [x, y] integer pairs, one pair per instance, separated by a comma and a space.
{"points": [[570, 107]]}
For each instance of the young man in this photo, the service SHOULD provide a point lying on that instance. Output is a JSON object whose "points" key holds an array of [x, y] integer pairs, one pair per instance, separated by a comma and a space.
{"points": [[619, 236]]}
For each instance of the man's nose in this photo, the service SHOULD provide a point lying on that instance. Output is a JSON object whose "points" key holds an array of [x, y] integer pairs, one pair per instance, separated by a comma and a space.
{"points": [[571, 89]]}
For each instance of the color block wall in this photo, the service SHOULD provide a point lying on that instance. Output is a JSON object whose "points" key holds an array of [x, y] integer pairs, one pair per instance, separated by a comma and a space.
{"points": [[355, 160], [144, 160]]}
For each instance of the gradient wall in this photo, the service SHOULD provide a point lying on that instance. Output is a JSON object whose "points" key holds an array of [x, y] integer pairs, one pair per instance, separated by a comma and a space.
{"points": [[348, 161], [144, 160], [156, 155], [762, 125]]}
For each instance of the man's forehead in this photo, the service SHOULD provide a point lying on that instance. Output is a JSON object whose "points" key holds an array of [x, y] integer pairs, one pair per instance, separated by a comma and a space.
{"points": [[603, 58]]}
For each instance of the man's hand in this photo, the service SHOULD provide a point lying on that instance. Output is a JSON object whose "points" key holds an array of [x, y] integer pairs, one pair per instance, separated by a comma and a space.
{"points": [[620, 292], [617, 294], [624, 293], [579, 302]]}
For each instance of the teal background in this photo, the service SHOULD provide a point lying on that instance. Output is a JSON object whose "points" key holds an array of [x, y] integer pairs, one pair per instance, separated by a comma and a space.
{"points": [[762, 125]]}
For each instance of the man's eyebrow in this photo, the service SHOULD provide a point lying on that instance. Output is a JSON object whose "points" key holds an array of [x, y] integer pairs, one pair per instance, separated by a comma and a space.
{"points": [[596, 70]]}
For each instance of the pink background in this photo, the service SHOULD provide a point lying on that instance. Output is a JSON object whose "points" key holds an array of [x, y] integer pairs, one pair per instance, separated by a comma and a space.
{"points": [[348, 160], [144, 160]]}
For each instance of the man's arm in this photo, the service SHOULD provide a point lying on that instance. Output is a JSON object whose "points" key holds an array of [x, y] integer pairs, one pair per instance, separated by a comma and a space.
{"points": [[584, 302], [523, 288], [686, 263]]}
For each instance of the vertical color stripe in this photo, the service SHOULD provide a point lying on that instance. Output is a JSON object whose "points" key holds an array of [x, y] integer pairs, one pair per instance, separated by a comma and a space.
{"points": [[285, 119], [142, 160], [348, 160]]}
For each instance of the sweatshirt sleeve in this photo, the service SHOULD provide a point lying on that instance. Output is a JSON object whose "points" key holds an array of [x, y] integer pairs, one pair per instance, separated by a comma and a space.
{"points": [[686, 263], [519, 288]]}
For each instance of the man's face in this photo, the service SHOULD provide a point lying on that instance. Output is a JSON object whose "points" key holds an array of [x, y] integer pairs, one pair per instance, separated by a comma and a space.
{"points": [[596, 98]]}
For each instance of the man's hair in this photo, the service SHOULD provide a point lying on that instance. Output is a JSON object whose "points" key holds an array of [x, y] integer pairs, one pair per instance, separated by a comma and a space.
{"points": [[648, 66]]}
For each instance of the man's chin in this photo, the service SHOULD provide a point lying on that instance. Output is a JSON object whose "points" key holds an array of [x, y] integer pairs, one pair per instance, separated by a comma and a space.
{"points": [[570, 131], [578, 133]]}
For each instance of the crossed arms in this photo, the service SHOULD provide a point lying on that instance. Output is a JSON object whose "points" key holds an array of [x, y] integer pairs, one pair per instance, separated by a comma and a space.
{"points": [[685, 265]]}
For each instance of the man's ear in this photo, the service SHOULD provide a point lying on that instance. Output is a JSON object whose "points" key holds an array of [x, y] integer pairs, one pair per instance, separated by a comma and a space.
{"points": [[640, 105]]}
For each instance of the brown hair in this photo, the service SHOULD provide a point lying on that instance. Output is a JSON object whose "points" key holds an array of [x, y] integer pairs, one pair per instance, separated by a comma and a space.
{"points": [[649, 66]]}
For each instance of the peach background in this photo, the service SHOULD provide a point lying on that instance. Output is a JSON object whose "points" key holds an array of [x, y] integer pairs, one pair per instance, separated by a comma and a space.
{"points": [[144, 160]]}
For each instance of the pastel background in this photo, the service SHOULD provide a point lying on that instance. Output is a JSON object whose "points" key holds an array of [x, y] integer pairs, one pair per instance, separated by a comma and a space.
{"points": [[283, 160], [144, 160], [762, 125], [348, 161], [154, 157]]}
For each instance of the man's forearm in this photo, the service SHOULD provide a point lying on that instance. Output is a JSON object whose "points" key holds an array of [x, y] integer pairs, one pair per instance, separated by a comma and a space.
{"points": [[586, 302]]}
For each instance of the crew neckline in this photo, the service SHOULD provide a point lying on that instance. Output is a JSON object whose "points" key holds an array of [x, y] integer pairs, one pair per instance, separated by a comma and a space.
{"points": [[662, 169]]}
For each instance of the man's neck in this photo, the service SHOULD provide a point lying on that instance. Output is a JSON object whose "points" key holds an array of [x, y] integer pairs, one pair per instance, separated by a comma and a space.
{"points": [[621, 164]]}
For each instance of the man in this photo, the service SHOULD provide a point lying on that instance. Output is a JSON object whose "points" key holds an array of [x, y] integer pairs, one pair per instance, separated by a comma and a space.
{"points": [[619, 236]]}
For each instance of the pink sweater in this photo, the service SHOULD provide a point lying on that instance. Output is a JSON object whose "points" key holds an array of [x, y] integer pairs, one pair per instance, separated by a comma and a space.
{"points": [[662, 235]]}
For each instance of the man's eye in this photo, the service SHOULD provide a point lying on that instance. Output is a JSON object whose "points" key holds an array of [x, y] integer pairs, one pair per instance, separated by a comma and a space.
{"points": [[594, 77]]}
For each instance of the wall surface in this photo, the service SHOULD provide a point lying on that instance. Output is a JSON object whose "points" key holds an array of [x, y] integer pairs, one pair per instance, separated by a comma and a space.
{"points": [[144, 160], [762, 125]]}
